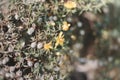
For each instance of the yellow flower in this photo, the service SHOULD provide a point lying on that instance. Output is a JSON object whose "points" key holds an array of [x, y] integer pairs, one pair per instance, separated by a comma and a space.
{"points": [[65, 26], [59, 39], [48, 46], [70, 4]]}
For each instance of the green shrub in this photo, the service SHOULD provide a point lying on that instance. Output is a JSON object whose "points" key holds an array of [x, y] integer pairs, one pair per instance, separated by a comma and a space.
{"points": [[34, 37]]}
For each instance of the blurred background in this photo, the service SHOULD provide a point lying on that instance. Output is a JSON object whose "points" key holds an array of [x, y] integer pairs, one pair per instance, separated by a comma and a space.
{"points": [[96, 40]]}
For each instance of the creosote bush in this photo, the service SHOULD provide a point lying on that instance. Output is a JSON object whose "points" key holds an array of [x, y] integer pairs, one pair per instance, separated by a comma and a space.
{"points": [[33, 37]]}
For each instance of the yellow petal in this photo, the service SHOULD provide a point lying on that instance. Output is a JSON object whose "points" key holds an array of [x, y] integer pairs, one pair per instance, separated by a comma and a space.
{"points": [[65, 26], [48, 46], [70, 4], [59, 39]]}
